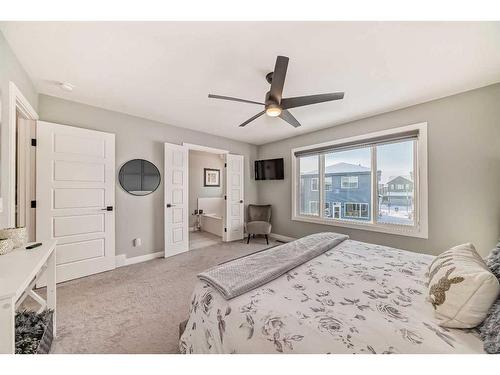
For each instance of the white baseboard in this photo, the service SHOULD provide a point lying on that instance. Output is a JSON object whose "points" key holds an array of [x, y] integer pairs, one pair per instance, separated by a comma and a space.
{"points": [[122, 260], [280, 237]]}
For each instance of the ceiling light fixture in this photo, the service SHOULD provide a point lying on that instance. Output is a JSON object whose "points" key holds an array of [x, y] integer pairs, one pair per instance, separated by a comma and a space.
{"points": [[273, 110]]}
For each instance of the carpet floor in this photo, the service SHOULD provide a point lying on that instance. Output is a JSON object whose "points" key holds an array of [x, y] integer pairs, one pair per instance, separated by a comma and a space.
{"points": [[137, 308]]}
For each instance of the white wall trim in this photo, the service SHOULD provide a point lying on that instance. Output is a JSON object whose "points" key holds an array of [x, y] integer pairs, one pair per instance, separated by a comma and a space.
{"points": [[192, 146], [420, 230], [17, 101], [281, 237], [122, 260]]}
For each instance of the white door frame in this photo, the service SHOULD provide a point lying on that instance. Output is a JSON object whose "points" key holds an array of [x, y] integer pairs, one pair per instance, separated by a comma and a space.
{"points": [[17, 103], [212, 150], [192, 146]]}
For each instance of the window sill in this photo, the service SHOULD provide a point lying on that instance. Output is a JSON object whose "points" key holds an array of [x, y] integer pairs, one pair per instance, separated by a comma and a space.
{"points": [[390, 229]]}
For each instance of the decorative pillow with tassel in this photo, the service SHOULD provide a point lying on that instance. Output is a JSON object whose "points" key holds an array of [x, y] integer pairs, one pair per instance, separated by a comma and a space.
{"points": [[461, 287]]}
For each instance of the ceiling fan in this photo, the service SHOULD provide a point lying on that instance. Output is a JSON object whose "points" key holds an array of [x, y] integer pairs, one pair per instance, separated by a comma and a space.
{"points": [[277, 106]]}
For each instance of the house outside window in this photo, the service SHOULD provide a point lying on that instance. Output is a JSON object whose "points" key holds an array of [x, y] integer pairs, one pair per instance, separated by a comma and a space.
{"points": [[314, 184], [372, 185], [328, 209], [313, 207]]}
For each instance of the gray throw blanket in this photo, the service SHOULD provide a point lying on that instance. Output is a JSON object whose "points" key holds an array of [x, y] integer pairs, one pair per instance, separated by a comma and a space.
{"points": [[244, 274]]}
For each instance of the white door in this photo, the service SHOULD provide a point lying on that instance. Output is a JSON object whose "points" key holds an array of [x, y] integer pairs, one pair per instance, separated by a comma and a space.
{"points": [[75, 197], [176, 199], [234, 218]]}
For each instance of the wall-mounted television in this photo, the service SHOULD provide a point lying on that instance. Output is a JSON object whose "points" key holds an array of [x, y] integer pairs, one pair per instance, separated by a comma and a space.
{"points": [[271, 169]]}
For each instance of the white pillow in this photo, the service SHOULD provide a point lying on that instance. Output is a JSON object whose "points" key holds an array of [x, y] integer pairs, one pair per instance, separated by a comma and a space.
{"points": [[461, 287]]}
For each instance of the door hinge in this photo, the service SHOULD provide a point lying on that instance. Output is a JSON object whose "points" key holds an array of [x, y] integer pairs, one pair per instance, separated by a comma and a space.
{"points": [[33, 204], [33, 142], [225, 229], [225, 165], [225, 197]]}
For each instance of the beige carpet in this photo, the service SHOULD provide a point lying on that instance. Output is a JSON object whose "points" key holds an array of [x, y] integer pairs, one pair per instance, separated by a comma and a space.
{"points": [[137, 308]]}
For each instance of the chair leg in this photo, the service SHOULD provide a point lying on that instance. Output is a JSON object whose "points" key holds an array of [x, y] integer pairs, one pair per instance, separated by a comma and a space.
{"points": [[248, 239], [267, 239]]}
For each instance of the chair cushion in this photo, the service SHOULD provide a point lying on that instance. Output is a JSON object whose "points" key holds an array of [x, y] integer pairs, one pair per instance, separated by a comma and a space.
{"points": [[259, 227], [461, 288], [259, 212]]}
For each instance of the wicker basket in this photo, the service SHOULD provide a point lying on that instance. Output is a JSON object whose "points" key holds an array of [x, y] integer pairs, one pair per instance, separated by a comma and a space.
{"points": [[47, 338], [6, 246], [18, 235]]}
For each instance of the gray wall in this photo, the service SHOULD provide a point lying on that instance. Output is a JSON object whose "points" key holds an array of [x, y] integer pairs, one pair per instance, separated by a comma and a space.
{"points": [[199, 160], [10, 70], [140, 138], [464, 172]]}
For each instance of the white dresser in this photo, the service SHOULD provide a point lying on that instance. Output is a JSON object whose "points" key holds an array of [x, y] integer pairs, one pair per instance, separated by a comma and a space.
{"points": [[19, 272]]}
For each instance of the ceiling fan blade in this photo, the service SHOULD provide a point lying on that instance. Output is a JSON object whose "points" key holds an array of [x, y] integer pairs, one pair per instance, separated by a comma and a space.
{"points": [[278, 81], [252, 118], [300, 101], [288, 117], [233, 99]]}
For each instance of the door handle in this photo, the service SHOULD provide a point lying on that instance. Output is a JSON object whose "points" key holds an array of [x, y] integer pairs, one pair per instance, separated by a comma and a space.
{"points": [[108, 208], [170, 205]]}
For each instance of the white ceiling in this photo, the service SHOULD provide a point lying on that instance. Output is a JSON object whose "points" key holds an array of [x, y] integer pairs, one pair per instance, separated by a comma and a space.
{"points": [[164, 70]]}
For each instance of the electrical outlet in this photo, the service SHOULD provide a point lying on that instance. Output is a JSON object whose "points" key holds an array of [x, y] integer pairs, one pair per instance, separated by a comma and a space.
{"points": [[137, 242]]}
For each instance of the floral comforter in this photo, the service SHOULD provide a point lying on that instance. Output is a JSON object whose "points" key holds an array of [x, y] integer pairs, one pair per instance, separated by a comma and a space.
{"points": [[355, 298]]}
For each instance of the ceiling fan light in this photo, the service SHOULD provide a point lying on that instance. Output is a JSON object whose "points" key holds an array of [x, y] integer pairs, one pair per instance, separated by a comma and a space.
{"points": [[273, 111]]}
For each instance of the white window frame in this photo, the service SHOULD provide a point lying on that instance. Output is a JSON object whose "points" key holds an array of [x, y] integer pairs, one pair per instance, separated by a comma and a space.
{"points": [[350, 180], [312, 183], [420, 189]]}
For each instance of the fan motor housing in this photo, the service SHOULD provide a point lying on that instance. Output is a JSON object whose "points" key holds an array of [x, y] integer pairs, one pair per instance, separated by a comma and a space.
{"points": [[269, 77]]}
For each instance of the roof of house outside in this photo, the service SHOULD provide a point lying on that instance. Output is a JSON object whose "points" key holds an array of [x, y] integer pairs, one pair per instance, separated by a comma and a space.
{"points": [[391, 178], [342, 168]]}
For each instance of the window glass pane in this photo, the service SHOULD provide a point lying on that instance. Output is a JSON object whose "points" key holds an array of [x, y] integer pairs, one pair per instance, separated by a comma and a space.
{"points": [[309, 185], [395, 177], [349, 175]]}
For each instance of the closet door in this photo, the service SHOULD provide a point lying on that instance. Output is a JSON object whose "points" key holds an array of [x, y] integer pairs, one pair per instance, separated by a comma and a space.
{"points": [[235, 208], [75, 195], [176, 199]]}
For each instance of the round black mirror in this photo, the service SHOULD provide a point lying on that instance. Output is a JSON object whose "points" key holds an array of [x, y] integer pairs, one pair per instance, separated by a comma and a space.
{"points": [[139, 177]]}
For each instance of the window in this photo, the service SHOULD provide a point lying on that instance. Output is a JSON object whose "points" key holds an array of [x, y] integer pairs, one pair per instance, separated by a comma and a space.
{"points": [[349, 182], [308, 170], [366, 182], [328, 183], [314, 184], [356, 210], [396, 207]]}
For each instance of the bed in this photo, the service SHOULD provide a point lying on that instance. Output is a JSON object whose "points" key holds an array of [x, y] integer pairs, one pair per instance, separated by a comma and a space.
{"points": [[354, 298]]}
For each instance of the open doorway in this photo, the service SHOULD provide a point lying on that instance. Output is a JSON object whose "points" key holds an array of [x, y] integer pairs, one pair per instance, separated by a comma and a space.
{"points": [[25, 181], [206, 198], [226, 175]]}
